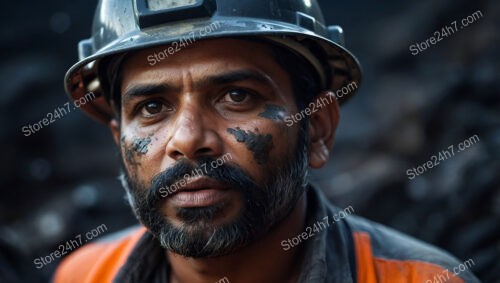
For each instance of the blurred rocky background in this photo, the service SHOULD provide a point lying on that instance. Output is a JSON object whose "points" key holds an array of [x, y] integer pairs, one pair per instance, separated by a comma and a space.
{"points": [[61, 181]]}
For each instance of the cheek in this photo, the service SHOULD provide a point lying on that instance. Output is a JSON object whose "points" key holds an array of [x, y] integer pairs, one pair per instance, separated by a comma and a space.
{"points": [[138, 153], [273, 112], [130, 156], [267, 140], [259, 144]]}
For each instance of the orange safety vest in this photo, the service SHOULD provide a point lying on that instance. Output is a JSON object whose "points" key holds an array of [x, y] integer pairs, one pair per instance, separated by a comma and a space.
{"points": [[375, 253], [100, 262]]}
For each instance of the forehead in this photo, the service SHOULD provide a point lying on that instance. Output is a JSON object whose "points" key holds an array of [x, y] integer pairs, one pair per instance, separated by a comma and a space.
{"points": [[200, 57]]}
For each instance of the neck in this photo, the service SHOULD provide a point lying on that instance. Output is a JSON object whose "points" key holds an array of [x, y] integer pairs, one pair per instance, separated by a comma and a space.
{"points": [[262, 261]]}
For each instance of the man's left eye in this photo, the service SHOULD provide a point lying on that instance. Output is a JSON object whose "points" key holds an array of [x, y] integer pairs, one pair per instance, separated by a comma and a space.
{"points": [[236, 96]]}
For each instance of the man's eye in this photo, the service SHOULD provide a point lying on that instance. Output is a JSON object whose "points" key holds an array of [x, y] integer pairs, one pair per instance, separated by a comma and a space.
{"points": [[152, 108], [236, 96]]}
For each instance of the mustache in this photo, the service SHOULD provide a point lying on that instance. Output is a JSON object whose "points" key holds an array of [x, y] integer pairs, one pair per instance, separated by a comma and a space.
{"points": [[230, 175]]}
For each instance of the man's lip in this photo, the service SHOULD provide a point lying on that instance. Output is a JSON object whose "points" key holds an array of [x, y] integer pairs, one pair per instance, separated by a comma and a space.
{"points": [[200, 183], [200, 192]]}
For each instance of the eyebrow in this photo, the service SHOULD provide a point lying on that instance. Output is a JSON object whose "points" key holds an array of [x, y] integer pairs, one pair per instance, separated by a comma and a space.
{"points": [[225, 78], [146, 90], [232, 77]]}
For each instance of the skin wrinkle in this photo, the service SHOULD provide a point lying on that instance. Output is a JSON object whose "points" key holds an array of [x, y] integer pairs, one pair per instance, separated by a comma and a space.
{"points": [[260, 145]]}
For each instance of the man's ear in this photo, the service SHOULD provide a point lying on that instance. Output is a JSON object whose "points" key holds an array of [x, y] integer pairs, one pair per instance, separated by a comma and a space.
{"points": [[322, 127], [115, 130]]}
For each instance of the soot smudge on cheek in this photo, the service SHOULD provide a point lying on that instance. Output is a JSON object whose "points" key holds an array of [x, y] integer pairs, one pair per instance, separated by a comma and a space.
{"points": [[129, 154], [260, 145], [273, 112], [140, 145]]}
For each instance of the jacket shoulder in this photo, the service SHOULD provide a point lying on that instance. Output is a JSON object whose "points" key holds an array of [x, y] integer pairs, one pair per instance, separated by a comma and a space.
{"points": [[99, 261], [391, 256]]}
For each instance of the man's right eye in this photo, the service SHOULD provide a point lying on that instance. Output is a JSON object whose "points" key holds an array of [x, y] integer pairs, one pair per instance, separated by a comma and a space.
{"points": [[152, 108]]}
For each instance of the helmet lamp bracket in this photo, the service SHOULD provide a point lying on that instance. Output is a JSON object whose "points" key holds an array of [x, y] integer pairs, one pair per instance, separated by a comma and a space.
{"points": [[149, 14]]}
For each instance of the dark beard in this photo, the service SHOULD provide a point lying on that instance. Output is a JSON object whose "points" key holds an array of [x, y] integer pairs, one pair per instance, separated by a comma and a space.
{"points": [[264, 206]]}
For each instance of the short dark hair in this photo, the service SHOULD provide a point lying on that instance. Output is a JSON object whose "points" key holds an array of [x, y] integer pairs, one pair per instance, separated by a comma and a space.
{"points": [[304, 78]]}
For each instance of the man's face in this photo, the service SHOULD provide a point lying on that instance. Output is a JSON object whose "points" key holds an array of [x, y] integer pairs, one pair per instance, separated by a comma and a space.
{"points": [[214, 98]]}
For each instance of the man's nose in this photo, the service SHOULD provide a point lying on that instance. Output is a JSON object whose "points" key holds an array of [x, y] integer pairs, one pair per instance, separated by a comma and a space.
{"points": [[193, 136]]}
